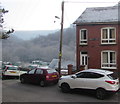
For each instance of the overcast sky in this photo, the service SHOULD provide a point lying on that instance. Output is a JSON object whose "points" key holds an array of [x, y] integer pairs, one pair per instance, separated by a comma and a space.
{"points": [[39, 14]]}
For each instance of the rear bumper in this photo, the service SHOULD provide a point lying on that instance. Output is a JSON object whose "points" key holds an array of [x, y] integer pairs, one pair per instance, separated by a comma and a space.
{"points": [[113, 92], [52, 81], [9, 76]]}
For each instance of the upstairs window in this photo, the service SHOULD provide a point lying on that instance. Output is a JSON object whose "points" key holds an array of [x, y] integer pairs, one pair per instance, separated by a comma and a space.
{"points": [[108, 59], [83, 37], [108, 35]]}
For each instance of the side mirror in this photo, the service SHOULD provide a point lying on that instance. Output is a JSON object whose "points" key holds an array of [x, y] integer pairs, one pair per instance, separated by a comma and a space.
{"points": [[28, 72], [74, 77]]}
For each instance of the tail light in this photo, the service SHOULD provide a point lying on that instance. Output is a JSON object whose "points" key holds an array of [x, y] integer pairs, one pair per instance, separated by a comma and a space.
{"points": [[110, 82], [47, 76]]}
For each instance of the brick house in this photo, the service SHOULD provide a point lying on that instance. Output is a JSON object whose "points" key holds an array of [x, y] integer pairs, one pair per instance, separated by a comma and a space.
{"points": [[98, 39]]}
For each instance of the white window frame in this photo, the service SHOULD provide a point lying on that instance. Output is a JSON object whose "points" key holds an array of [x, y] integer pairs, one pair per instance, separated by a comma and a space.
{"points": [[83, 41], [108, 35], [109, 65]]}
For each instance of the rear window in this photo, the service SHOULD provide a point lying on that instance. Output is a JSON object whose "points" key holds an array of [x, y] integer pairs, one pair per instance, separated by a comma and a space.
{"points": [[12, 68], [51, 71], [113, 76]]}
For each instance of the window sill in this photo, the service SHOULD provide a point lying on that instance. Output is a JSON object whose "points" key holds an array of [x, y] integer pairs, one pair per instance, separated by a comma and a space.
{"points": [[108, 44], [109, 68], [83, 44]]}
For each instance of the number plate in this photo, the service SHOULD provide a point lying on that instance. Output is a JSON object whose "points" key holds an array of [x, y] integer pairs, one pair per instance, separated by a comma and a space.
{"points": [[12, 72], [54, 75]]}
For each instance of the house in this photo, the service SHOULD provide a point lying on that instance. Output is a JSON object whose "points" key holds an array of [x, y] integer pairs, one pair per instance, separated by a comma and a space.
{"points": [[98, 39]]}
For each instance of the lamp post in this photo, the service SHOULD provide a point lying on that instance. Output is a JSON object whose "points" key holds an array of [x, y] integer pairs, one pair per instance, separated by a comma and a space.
{"points": [[61, 37]]}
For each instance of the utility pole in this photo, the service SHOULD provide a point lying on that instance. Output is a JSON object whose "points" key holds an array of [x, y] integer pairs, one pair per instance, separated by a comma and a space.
{"points": [[61, 37]]}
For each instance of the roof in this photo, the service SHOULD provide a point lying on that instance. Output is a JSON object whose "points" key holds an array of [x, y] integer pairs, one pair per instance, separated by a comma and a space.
{"points": [[11, 66], [98, 15], [100, 71]]}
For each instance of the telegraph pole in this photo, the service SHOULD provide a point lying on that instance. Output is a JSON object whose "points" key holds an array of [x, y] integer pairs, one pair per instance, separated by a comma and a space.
{"points": [[61, 37]]}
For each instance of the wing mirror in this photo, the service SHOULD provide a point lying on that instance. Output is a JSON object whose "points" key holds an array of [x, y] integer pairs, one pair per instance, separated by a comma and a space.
{"points": [[74, 77], [28, 72]]}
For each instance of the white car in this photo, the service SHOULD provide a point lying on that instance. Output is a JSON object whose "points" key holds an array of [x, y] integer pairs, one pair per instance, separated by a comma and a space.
{"points": [[101, 81], [11, 71]]}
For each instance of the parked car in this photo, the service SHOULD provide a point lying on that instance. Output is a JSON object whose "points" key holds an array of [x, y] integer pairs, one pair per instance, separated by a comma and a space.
{"points": [[101, 81], [11, 71], [42, 76]]}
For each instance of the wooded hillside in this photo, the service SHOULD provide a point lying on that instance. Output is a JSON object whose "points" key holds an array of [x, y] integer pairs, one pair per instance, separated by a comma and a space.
{"points": [[40, 48]]}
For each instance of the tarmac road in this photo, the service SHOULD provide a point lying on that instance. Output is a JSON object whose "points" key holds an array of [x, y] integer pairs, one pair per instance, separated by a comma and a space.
{"points": [[14, 91]]}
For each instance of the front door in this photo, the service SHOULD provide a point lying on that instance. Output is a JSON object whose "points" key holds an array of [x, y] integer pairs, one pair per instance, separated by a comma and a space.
{"points": [[84, 59]]}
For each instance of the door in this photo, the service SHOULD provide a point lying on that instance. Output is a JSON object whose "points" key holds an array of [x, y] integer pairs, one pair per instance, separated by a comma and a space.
{"points": [[79, 81], [39, 75], [93, 80], [30, 76], [84, 59]]}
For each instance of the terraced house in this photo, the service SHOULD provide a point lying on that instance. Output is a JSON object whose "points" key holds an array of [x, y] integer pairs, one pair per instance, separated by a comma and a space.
{"points": [[98, 38]]}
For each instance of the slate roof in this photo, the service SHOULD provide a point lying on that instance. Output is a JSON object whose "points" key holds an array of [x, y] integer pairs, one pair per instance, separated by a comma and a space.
{"points": [[99, 15]]}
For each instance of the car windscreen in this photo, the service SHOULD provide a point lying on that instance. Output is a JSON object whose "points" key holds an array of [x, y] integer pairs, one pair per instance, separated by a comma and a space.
{"points": [[12, 68], [113, 76], [51, 71]]}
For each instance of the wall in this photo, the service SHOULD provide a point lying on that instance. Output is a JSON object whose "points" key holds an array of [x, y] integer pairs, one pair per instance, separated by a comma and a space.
{"points": [[94, 46]]}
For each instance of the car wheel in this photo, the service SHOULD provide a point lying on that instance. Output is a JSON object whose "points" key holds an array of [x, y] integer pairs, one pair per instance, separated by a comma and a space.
{"points": [[55, 82], [42, 83], [22, 80], [3, 77], [65, 88], [100, 94]]}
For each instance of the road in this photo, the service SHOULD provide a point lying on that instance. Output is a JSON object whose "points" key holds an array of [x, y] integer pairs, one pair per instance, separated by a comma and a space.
{"points": [[14, 91]]}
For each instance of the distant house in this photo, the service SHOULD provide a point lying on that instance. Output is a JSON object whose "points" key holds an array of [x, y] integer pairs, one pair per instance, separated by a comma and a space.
{"points": [[98, 38]]}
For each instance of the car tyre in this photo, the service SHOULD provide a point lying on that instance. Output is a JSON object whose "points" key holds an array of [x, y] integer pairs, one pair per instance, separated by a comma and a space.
{"points": [[22, 80], [3, 77], [56, 82], [65, 88], [42, 83], [100, 94]]}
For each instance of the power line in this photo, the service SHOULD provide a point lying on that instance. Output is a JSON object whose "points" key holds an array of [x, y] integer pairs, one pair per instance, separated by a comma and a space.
{"points": [[86, 2]]}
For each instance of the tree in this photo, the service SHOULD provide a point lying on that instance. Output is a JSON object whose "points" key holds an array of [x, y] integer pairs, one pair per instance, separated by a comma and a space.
{"points": [[4, 34]]}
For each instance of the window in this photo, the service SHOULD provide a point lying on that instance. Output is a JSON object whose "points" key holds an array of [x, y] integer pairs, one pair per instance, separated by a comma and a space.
{"points": [[108, 35], [51, 71], [113, 76], [108, 59], [32, 71], [12, 68], [83, 37], [39, 71], [81, 75], [89, 75]]}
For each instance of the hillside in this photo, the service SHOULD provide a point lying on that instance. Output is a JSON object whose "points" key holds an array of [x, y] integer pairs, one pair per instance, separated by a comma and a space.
{"points": [[27, 35], [41, 47]]}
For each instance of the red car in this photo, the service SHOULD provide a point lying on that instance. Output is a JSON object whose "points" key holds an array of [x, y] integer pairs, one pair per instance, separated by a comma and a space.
{"points": [[42, 76]]}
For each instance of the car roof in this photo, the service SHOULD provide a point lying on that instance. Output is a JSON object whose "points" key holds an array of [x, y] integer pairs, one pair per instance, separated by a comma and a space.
{"points": [[11, 66], [44, 68], [99, 71]]}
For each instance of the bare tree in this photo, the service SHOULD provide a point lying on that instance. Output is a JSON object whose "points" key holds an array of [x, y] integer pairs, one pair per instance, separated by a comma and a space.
{"points": [[4, 34]]}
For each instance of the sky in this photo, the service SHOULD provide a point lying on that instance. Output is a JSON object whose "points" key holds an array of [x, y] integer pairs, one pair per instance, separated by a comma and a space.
{"points": [[40, 14]]}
